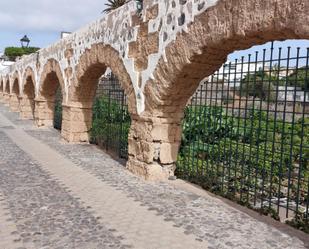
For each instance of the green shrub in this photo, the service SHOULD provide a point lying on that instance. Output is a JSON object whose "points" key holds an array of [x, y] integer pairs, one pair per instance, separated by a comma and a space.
{"points": [[13, 52]]}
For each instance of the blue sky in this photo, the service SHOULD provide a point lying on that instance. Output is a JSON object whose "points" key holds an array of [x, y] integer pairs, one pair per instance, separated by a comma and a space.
{"points": [[43, 20]]}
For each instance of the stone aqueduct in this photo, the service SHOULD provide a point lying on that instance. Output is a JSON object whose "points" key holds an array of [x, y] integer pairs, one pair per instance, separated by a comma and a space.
{"points": [[159, 57]]}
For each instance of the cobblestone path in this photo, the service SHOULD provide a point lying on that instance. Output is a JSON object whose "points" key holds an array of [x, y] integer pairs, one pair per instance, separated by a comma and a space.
{"points": [[56, 195]]}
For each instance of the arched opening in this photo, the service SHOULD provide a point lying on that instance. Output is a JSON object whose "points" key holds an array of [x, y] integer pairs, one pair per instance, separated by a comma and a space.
{"points": [[111, 119], [14, 98], [7, 87], [48, 110], [245, 130], [104, 94], [52, 93], [28, 103], [1, 86], [1, 91], [6, 92]]}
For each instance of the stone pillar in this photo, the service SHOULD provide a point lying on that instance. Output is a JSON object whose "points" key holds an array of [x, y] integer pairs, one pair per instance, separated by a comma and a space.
{"points": [[153, 146], [76, 122], [26, 108], [14, 102], [44, 112]]}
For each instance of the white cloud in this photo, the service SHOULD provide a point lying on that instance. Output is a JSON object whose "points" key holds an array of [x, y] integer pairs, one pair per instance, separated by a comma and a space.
{"points": [[48, 15]]}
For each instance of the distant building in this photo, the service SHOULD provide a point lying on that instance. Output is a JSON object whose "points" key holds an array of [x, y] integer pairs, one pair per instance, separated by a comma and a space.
{"points": [[292, 93], [4, 62]]}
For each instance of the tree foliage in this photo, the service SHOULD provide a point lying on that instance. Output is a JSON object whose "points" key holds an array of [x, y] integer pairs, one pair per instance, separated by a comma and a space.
{"points": [[299, 78], [13, 52], [113, 4], [259, 85]]}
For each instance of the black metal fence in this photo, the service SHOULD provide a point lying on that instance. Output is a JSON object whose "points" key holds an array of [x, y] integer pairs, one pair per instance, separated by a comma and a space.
{"points": [[58, 109], [111, 119], [246, 132]]}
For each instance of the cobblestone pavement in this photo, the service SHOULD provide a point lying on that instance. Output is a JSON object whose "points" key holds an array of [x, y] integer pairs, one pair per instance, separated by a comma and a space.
{"points": [[45, 214], [28, 186]]}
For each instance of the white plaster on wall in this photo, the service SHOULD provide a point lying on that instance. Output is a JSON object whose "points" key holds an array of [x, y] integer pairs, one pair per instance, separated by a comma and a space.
{"points": [[116, 30]]}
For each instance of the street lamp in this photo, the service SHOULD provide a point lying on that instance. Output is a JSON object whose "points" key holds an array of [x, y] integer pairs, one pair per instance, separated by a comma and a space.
{"points": [[139, 6], [24, 41]]}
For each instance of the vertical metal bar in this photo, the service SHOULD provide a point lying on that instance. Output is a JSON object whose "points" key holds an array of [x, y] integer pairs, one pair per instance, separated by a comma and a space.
{"points": [[231, 149], [121, 124], [302, 131], [214, 115], [293, 118], [273, 149], [204, 104], [251, 131], [266, 128], [283, 131], [211, 146], [195, 119], [247, 178], [258, 135], [221, 161], [226, 125], [237, 134], [109, 120]]}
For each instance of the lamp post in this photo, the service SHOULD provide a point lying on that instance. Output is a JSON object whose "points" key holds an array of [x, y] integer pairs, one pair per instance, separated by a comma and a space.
{"points": [[139, 6], [25, 41]]}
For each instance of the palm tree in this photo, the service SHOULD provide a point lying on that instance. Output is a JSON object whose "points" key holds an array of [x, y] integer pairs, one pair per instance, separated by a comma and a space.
{"points": [[113, 4]]}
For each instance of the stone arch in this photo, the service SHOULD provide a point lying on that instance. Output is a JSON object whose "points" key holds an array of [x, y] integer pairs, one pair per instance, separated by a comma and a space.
{"points": [[91, 66], [15, 84], [197, 53], [220, 30], [28, 94], [6, 90], [15, 93], [50, 80], [7, 86]]}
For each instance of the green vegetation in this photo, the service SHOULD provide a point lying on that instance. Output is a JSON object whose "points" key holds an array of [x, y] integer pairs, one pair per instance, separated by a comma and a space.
{"points": [[300, 78], [111, 124], [113, 4], [13, 52], [247, 159], [58, 110], [262, 85], [259, 85]]}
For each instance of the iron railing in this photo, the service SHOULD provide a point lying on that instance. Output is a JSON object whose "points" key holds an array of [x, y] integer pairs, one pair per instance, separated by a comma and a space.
{"points": [[58, 109], [246, 132], [111, 119]]}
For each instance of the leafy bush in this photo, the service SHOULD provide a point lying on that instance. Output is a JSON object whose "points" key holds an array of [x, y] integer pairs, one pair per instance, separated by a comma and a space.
{"points": [[236, 155], [111, 124], [13, 52]]}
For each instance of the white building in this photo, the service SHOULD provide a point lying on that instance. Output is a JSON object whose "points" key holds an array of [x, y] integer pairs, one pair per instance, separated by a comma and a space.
{"points": [[292, 93], [233, 73], [4, 63]]}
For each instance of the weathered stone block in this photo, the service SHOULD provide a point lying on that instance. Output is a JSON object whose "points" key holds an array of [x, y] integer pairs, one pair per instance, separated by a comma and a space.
{"points": [[169, 152]]}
